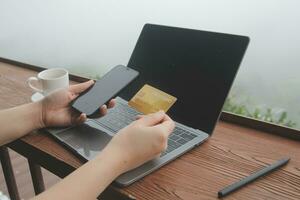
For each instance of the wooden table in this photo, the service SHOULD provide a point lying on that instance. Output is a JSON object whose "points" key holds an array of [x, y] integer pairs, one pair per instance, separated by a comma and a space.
{"points": [[230, 154]]}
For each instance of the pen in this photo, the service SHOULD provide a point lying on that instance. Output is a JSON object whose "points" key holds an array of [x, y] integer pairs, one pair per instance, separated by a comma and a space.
{"points": [[252, 177]]}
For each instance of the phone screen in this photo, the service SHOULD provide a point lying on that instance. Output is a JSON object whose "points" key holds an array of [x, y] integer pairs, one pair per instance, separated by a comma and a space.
{"points": [[104, 89]]}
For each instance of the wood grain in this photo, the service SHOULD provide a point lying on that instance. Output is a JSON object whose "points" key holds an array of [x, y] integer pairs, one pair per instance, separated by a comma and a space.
{"points": [[230, 154]]}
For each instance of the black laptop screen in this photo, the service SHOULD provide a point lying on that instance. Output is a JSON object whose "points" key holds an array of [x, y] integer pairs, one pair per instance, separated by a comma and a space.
{"points": [[197, 67]]}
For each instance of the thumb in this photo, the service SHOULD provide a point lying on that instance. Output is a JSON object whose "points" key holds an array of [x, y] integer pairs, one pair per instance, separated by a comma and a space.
{"points": [[152, 119], [78, 88]]}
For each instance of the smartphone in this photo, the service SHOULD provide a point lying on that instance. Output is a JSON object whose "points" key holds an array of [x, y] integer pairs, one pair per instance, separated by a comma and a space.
{"points": [[104, 89]]}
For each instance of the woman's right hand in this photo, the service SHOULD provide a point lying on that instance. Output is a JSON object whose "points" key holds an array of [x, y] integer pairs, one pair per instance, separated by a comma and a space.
{"points": [[141, 141]]}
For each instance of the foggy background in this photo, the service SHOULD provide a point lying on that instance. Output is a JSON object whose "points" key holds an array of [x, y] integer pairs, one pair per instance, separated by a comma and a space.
{"points": [[89, 37]]}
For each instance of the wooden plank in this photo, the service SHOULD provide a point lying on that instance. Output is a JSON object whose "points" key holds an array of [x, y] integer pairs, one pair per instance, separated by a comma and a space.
{"points": [[36, 177], [9, 174], [261, 125], [232, 153]]}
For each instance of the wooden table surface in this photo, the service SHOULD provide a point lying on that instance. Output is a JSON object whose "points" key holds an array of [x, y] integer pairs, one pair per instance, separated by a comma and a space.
{"points": [[230, 154]]}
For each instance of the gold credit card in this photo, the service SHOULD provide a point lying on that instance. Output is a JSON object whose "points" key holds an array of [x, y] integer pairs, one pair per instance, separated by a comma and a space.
{"points": [[149, 100]]}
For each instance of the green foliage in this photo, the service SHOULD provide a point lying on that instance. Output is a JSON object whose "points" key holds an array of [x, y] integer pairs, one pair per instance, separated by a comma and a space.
{"points": [[268, 115]]}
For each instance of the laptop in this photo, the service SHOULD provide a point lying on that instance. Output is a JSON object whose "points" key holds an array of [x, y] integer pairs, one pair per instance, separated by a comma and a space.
{"points": [[197, 67]]}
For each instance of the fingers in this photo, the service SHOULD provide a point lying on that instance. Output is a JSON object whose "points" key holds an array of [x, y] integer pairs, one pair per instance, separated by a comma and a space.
{"points": [[72, 96], [166, 126], [152, 119], [78, 88], [103, 110], [79, 119], [111, 103]]}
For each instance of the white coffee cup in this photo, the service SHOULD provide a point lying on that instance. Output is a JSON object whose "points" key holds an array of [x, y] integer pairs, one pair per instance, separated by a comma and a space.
{"points": [[50, 80]]}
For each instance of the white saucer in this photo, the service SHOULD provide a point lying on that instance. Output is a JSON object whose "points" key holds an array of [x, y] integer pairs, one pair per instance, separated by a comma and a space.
{"points": [[36, 97]]}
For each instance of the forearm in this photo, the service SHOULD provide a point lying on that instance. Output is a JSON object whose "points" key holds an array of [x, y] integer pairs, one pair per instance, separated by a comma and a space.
{"points": [[88, 181], [18, 121]]}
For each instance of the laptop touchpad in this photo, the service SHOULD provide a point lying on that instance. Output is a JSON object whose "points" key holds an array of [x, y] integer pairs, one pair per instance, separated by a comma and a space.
{"points": [[87, 139]]}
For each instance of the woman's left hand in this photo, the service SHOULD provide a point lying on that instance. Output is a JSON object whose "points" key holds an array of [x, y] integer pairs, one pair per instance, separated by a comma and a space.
{"points": [[56, 111]]}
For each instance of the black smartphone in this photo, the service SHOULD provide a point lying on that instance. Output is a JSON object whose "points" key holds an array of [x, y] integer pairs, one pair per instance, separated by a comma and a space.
{"points": [[104, 89]]}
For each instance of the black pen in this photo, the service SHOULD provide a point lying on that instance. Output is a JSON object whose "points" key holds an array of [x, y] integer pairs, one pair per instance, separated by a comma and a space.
{"points": [[252, 177]]}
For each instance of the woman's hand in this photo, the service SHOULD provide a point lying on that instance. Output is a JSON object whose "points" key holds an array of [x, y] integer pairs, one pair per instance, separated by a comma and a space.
{"points": [[55, 109], [141, 141]]}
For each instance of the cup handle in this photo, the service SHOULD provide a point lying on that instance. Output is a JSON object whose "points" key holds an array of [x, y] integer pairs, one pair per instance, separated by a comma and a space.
{"points": [[30, 80]]}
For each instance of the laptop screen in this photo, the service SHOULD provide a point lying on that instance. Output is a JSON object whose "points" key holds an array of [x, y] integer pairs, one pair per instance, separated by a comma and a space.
{"points": [[197, 67]]}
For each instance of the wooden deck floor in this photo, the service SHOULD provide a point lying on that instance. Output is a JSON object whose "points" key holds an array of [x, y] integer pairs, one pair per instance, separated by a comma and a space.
{"points": [[23, 177]]}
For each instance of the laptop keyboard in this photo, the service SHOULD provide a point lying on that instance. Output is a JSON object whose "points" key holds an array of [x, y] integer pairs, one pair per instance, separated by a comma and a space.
{"points": [[122, 115], [118, 117], [178, 138]]}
